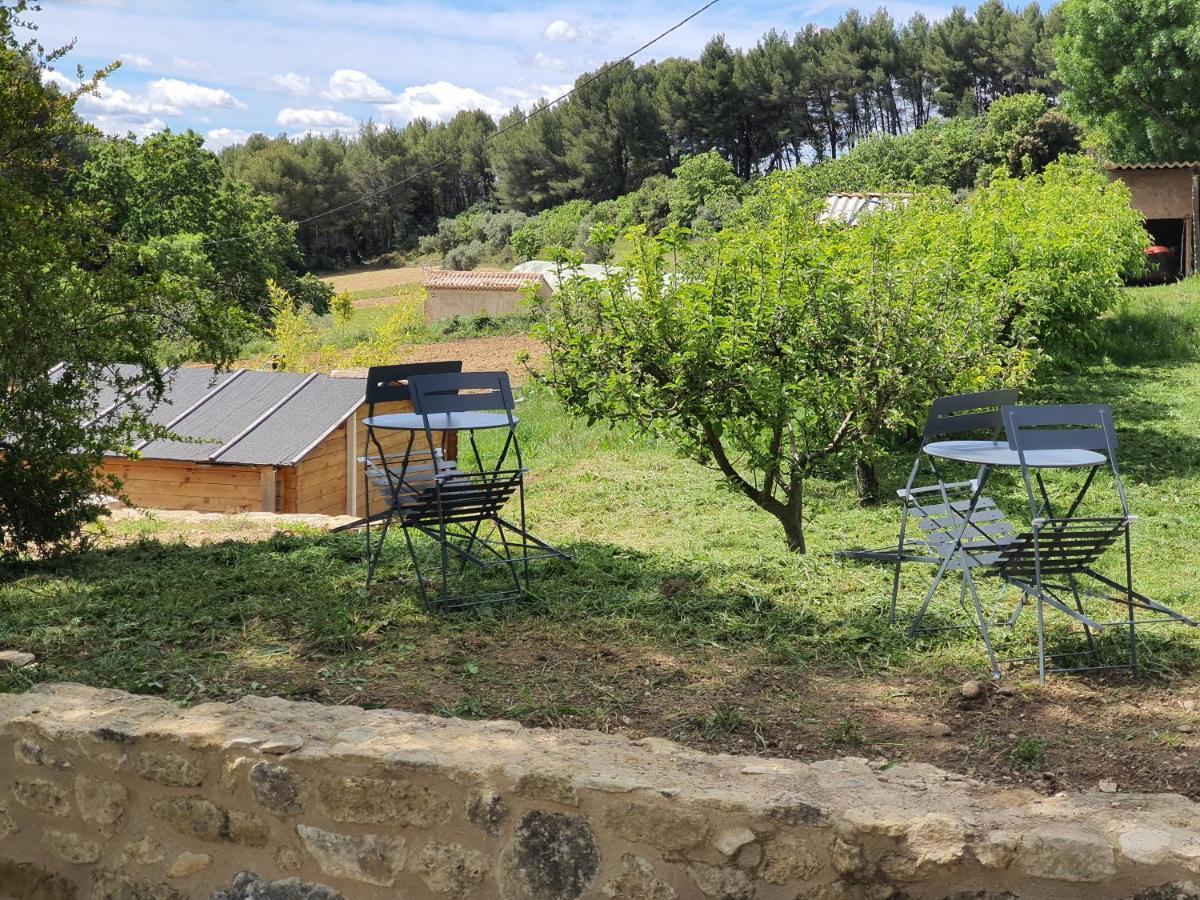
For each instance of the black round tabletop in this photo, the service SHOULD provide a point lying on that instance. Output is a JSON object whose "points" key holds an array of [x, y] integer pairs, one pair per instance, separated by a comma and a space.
{"points": [[456, 421]]}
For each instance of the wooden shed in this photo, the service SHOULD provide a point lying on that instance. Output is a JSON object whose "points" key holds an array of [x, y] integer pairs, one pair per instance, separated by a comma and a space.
{"points": [[1168, 195], [450, 293], [272, 441]]}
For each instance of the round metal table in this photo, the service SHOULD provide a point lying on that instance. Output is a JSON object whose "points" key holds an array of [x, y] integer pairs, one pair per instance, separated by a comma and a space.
{"points": [[457, 421], [997, 454]]}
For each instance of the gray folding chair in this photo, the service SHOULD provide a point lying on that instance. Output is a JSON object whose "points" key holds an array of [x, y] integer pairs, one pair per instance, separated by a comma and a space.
{"points": [[941, 508], [1053, 564]]}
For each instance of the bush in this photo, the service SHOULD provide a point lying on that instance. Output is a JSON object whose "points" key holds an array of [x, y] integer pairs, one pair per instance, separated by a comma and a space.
{"points": [[704, 182], [463, 257], [293, 330], [1057, 246], [404, 325], [556, 227], [343, 307]]}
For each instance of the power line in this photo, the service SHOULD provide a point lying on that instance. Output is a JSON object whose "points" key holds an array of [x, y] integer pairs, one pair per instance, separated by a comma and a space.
{"points": [[483, 142]]}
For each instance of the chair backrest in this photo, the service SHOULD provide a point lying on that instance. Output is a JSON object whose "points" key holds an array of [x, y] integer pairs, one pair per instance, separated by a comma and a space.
{"points": [[965, 414], [1063, 427], [461, 392], [389, 384]]}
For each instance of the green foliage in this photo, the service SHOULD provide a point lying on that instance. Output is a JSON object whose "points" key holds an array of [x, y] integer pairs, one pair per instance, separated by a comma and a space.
{"points": [[557, 227], [776, 105], [464, 256], [1056, 247], [76, 298], [1025, 135], [403, 324], [1132, 68], [703, 182], [168, 196], [291, 330], [343, 307], [777, 346]]}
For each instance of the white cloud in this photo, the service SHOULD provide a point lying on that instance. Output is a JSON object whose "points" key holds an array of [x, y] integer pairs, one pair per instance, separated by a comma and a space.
{"points": [[220, 138], [109, 101], [439, 101], [291, 83], [527, 96], [187, 95], [136, 60], [542, 61], [65, 84], [190, 65], [314, 119], [350, 84], [121, 125], [562, 30]]}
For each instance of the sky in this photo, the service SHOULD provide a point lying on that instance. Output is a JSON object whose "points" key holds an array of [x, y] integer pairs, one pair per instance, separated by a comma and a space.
{"points": [[229, 68]]}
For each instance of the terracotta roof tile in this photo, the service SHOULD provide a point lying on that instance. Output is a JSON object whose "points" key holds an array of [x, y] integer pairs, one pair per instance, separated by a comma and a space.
{"points": [[447, 280], [1117, 167]]}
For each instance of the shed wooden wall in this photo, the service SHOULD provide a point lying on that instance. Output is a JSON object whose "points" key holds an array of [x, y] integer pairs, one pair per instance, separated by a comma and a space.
{"points": [[163, 484], [317, 484]]}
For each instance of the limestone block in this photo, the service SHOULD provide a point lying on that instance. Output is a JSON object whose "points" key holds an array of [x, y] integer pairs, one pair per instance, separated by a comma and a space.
{"points": [[352, 798], [367, 858], [662, 825], [42, 796], [794, 856], [74, 848], [169, 768], [188, 864], [100, 802], [144, 852], [1067, 853], [721, 883], [452, 869], [276, 788], [637, 881], [202, 818]]}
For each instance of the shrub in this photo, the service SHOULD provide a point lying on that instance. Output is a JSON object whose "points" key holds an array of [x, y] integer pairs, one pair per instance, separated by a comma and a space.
{"points": [[706, 182], [1057, 247], [309, 290], [292, 329], [463, 257], [343, 307], [556, 227], [404, 324]]}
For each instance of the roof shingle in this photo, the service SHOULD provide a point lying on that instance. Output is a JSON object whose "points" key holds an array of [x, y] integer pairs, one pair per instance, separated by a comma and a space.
{"points": [[448, 280]]}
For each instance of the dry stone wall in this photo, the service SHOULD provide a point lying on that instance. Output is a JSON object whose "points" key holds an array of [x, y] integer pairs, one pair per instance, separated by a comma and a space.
{"points": [[110, 796]]}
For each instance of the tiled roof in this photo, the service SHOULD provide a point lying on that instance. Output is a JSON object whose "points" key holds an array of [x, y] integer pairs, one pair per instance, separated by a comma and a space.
{"points": [[1112, 167], [244, 417], [447, 280]]}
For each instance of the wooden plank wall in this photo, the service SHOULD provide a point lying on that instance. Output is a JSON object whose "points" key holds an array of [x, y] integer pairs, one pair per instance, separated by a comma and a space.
{"points": [[160, 484]]}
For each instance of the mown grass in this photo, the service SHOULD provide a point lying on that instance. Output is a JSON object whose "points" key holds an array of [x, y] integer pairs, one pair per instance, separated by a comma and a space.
{"points": [[667, 564]]}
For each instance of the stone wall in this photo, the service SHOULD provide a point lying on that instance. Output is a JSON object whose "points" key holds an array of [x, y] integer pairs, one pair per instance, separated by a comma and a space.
{"points": [[109, 795]]}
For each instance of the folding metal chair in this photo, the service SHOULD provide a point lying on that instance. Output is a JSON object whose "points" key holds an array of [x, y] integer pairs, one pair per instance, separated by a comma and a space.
{"points": [[459, 507], [1057, 556], [941, 509], [389, 385]]}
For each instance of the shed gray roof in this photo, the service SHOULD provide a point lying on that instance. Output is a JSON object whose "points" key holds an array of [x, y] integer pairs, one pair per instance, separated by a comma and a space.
{"points": [[847, 209], [247, 417]]}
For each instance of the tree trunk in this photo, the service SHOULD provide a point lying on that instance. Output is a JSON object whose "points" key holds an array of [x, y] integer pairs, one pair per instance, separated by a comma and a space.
{"points": [[867, 481], [793, 531]]}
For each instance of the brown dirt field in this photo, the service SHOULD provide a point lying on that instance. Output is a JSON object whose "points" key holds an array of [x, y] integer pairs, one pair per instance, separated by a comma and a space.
{"points": [[483, 354]]}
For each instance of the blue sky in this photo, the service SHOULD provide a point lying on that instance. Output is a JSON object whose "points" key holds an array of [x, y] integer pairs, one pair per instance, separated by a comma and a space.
{"points": [[227, 68]]}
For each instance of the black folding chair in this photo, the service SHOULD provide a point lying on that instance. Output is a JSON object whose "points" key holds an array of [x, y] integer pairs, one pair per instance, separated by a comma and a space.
{"points": [[459, 506], [1058, 555]]}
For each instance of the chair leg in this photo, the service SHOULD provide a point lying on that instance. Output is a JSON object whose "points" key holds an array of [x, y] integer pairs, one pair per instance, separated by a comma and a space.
{"points": [[412, 553], [969, 581], [1041, 636], [896, 571]]}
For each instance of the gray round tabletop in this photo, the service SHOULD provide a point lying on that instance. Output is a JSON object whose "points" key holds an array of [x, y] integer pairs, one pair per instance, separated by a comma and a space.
{"points": [[456, 421], [999, 455]]}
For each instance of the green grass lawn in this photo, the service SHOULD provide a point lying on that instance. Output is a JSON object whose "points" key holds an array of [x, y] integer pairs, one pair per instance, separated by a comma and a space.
{"points": [[682, 613]]}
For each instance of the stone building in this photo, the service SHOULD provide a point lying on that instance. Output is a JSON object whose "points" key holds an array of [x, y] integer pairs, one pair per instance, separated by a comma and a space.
{"points": [[451, 293]]}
